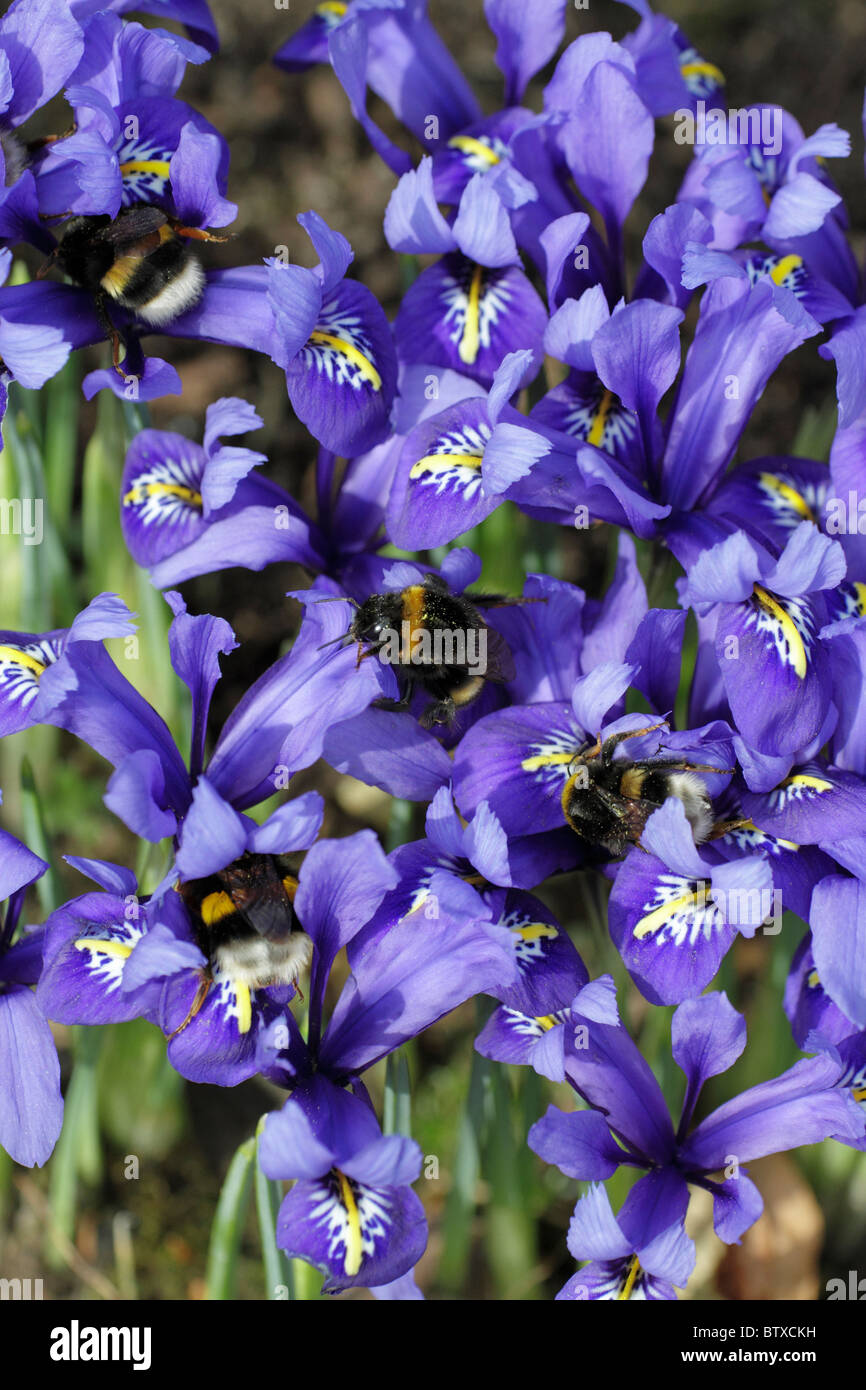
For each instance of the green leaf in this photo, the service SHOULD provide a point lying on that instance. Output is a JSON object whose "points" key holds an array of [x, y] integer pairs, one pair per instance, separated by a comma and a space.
{"points": [[397, 1112], [277, 1267], [228, 1224]]}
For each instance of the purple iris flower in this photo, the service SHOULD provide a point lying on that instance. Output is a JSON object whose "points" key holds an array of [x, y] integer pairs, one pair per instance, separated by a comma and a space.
{"points": [[517, 759], [233, 309], [191, 509], [809, 1007], [605, 132], [194, 15], [334, 343], [408, 968], [632, 468], [670, 73], [26, 657], [40, 46], [351, 1212], [390, 46], [134, 142], [475, 305], [31, 1107], [770, 185], [769, 613], [68, 679], [29, 354], [111, 956], [674, 913], [634, 1255], [628, 1120]]}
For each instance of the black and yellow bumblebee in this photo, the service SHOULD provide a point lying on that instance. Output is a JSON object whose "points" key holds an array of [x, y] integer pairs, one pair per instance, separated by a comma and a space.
{"points": [[138, 260], [608, 801], [435, 641], [245, 923]]}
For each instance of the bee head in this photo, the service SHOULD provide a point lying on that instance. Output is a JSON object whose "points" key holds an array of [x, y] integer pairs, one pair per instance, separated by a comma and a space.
{"points": [[375, 617]]}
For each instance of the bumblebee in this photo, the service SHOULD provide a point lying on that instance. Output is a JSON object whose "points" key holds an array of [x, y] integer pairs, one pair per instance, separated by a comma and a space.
{"points": [[139, 261], [246, 925], [608, 802], [435, 641]]}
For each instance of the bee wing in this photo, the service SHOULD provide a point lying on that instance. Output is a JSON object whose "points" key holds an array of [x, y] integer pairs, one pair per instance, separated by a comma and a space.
{"points": [[500, 662], [261, 899], [137, 223], [270, 914]]}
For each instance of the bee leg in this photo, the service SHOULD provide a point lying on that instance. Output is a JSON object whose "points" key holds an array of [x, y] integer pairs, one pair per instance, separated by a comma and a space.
{"points": [[197, 234], [110, 332], [405, 700], [385, 703], [201, 995], [48, 264], [722, 827], [442, 712], [611, 743]]}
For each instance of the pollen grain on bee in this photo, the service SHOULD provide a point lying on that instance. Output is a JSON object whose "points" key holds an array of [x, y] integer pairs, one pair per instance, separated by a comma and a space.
{"points": [[440, 646]]}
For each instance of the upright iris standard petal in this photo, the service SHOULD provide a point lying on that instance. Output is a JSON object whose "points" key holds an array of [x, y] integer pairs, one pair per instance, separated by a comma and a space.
{"points": [[422, 969], [526, 39], [740, 339]]}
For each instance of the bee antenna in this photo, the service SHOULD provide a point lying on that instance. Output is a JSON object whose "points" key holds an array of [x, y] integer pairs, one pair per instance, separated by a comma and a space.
{"points": [[342, 598], [342, 637]]}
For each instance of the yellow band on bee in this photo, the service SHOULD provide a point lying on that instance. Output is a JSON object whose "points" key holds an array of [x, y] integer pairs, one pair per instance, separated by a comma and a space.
{"points": [[215, 908]]}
